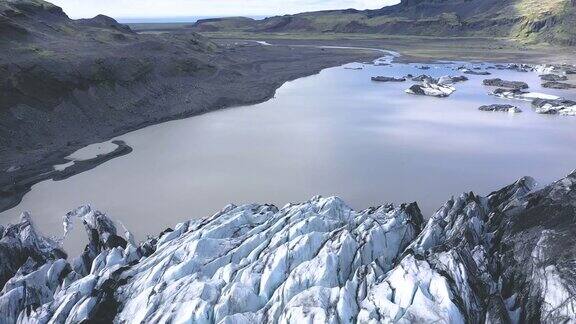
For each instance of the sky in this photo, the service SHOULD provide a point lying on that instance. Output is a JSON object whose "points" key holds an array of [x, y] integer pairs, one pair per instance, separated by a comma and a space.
{"points": [[180, 8]]}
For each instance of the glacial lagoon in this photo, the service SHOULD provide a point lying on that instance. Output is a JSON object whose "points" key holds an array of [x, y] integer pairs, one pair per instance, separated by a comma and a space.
{"points": [[335, 133]]}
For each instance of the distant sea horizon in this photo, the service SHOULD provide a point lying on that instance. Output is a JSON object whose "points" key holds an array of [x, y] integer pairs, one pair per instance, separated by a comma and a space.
{"points": [[166, 20]]}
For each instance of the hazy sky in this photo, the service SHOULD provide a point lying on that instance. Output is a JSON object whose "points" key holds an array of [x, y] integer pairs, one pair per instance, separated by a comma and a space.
{"points": [[175, 8]]}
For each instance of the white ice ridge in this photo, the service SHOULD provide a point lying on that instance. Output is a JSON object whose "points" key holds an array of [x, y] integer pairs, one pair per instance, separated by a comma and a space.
{"points": [[256, 263], [315, 262], [248, 263]]}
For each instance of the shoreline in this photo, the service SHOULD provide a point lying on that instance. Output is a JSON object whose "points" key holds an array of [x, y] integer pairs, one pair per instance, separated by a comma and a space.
{"points": [[14, 185], [12, 194], [417, 49], [37, 166]]}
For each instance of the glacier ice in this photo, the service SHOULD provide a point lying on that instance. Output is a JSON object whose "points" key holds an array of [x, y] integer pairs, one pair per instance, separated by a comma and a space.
{"points": [[477, 259]]}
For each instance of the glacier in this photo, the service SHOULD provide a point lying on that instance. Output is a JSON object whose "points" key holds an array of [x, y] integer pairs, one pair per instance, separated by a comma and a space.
{"points": [[507, 257]]}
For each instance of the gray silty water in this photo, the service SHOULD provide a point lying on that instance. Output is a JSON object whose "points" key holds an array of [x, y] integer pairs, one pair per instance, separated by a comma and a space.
{"points": [[336, 133]]}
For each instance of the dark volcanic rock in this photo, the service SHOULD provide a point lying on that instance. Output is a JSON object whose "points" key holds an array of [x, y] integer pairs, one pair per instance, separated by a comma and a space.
{"points": [[501, 108], [558, 85], [505, 84], [387, 79]]}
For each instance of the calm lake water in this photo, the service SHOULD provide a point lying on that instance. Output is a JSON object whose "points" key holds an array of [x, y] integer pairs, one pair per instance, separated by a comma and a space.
{"points": [[336, 133]]}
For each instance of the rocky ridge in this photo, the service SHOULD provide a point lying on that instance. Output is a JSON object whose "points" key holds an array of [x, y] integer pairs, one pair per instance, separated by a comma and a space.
{"points": [[504, 258]]}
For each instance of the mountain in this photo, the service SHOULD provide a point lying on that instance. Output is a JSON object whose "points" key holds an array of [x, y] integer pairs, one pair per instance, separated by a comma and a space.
{"points": [[526, 20], [55, 70], [504, 258]]}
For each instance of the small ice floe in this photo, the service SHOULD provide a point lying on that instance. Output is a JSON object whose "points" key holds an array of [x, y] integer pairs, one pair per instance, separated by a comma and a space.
{"points": [[513, 67], [429, 86], [561, 69], [553, 77], [450, 79], [520, 67], [555, 107], [446, 79], [558, 85], [501, 108], [521, 95], [431, 89]]}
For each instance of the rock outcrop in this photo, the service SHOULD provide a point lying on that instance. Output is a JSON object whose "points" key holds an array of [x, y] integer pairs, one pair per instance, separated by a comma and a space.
{"points": [[558, 85], [553, 77], [507, 257]]}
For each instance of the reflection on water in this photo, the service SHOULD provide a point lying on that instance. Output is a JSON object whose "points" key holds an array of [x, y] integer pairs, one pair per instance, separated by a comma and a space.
{"points": [[336, 133]]}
